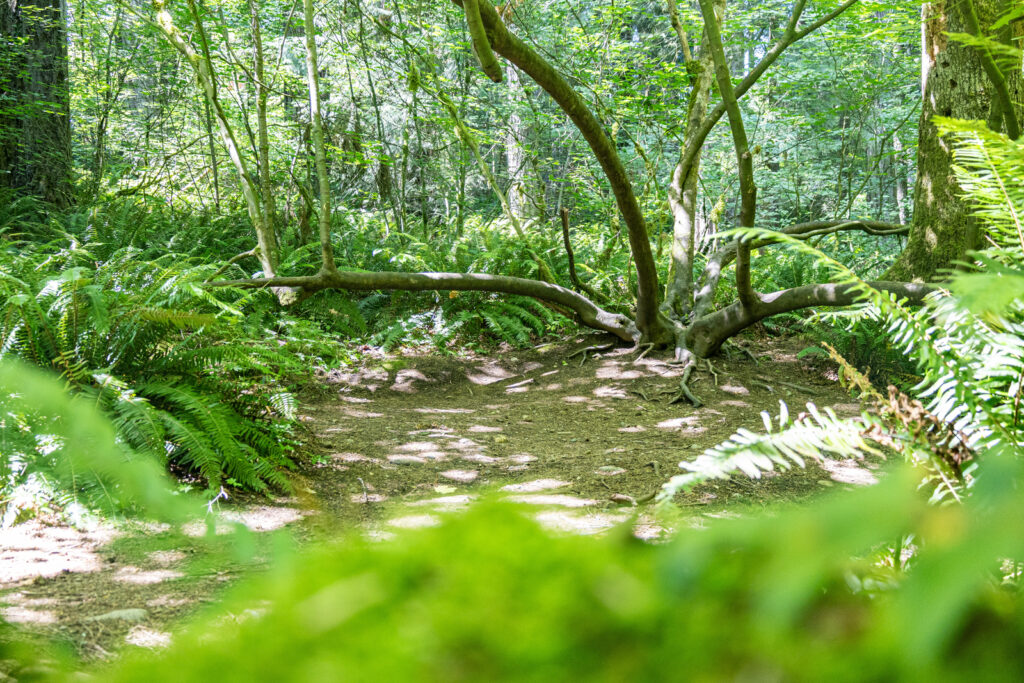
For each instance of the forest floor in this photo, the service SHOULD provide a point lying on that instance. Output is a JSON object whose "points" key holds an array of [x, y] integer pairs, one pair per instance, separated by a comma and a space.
{"points": [[574, 438]]}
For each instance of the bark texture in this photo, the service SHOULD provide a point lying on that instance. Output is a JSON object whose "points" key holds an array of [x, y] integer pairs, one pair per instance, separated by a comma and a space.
{"points": [[35, 128], [955, 86]]}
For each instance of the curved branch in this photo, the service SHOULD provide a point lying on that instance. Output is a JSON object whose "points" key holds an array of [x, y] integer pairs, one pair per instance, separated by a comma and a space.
{"points": [[536, 67], [590, 313], [744, 288], [579, 284], [727, 254], [706, 335]]}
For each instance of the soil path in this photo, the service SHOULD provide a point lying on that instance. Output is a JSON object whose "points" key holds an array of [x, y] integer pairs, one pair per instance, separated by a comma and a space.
{"points": [[576, 438], [403, 439]]}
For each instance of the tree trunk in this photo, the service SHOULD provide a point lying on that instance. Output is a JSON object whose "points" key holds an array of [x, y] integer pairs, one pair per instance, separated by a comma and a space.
{"points": [[317, 134], [955, 86], [35, 122], [682, 194], [515, 155]]}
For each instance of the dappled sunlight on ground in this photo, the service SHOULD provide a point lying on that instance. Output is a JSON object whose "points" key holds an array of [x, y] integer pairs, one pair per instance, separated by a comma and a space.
{"points": [[263, 517], [850, 472], [139, 576], [34, 549], [414, 521], [535, 485], [140, 636]]}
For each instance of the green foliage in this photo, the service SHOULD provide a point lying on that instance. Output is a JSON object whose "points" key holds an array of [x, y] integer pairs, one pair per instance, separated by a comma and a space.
{"points": [[862, 340], [969, 350], [166, 358], [60, 450], [489, 596]]}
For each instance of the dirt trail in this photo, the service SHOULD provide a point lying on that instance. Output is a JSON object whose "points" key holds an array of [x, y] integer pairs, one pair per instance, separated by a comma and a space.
{"points": [[405, 438], [547, 428]]}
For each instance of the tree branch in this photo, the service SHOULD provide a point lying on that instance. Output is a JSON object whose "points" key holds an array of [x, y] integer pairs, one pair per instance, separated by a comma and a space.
{"points": [[579, 284], [540, 70], [708, 333], [788, 38], [481, 46], [727, 254], [590, 313]]}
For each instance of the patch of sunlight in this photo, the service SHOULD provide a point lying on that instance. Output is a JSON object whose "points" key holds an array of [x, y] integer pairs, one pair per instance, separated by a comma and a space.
{"points": [[418, 446], [140, 636], [480, 458], [464, 444], [616, 370], [576, 399], [25, 615], [650, 532], [609, 471], [407, 459], [559, 499], [364, 498], [264, 517], [488, 374], [442, 411], [370, 379], [552, 387], [734, 404], [535, 485], [168, 601], [610, 392], [735, 389], [678, 422], [481, 429], [352, 457], [562, 520], [414, 521], [165, 558], [522, 458], [405, 380], [465, 476], [633, 430], [444, 501], [353, 399], [33, 549], [849, 472], [144, 577], [351, 412], [21, 600]]}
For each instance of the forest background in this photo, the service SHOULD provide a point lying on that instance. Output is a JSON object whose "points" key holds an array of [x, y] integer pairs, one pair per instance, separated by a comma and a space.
{"points": [[203, 202]]}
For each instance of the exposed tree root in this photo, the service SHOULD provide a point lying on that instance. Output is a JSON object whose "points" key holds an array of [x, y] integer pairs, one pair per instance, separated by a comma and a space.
{"points": [[684, 389], [711, 369], [597, 348]]}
